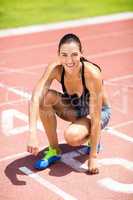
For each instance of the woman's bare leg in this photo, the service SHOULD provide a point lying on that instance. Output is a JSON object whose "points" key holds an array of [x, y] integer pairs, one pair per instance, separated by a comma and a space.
{"points": [[78, 132], [52, 105]]}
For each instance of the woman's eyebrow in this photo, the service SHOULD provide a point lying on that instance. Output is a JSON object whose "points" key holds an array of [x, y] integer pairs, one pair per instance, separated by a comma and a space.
{"points": [[71, 53], [64, 53]]}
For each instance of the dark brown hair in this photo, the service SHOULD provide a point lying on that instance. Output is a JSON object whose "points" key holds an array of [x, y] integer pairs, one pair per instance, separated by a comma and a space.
{"points": [[70, 37]]}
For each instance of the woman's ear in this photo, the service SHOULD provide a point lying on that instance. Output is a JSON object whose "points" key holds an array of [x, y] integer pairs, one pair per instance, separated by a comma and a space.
{"points": [[81, 53]]}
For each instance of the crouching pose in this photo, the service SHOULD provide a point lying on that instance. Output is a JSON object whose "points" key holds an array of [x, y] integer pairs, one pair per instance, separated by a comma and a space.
{"points": [[83, 103]]}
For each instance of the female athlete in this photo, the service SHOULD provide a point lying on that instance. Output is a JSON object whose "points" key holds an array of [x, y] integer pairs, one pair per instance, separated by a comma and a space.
{"points": [[83, 103]]}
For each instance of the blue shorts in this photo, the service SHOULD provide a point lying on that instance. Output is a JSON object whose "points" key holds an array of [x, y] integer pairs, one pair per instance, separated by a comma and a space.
{"points": [[82, 109], [105, 114]]}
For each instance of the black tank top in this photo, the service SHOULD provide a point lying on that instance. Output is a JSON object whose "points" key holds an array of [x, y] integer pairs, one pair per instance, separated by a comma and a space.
{"points": [[76, 101]]}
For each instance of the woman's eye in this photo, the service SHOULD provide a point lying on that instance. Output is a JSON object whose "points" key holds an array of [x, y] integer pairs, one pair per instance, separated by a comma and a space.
{"points": [[75, 54], [64, 55]]}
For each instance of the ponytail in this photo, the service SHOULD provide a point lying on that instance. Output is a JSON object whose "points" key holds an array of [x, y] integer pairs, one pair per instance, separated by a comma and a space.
{"points": [[82, 59]]}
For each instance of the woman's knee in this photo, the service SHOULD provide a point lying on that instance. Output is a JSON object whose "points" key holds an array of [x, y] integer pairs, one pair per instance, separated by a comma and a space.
{"points": [[76, 134]]}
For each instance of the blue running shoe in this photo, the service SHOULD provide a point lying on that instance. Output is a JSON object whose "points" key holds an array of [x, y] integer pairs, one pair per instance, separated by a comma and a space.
{"points": [[87, 148], [50, 157]]}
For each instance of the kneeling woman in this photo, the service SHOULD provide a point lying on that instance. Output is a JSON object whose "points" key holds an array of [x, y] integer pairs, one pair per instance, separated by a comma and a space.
{"points": [[83, 103]]}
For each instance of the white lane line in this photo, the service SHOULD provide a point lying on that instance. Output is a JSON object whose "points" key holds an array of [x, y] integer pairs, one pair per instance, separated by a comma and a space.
{"points": [[110, 53], [98, 55], [119, 134], [117, 161], [128, 76], [22, 68], [27, 95], [14, 156], [84, 38], [13, 102], [22, 154], [47, 184], [17, 91], [122, 124], [67, 24], [18, 72], [111, 184]]}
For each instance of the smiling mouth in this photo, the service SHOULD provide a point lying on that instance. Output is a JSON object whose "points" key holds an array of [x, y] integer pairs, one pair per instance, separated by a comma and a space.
{"points": [[70, 66]]}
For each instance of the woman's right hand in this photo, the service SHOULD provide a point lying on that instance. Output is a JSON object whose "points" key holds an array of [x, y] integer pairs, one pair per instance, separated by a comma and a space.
{"points": [[32, 146]]}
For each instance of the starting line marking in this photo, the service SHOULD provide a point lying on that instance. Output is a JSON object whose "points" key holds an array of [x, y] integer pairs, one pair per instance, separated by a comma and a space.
{"points": [[109, 183], [47, 184], [117, 187], [69, 159]]}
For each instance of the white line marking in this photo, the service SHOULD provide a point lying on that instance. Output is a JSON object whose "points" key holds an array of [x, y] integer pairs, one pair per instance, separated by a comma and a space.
{"points": [[68, 159], [111, 184], [7, 122], [85, 38], [22, 154], [27, 95], [128, 76], [47, 184], [76, 165], [14, 156], [110, 53], [122, 124], [22, 68], [117, 161], [119, 134], [16, 91], [67, 24], [18, 72], [13, 102]]}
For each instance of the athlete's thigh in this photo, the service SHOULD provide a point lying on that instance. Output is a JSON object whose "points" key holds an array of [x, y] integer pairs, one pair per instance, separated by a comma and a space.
{"points": [[80, 127], [63, 107]]}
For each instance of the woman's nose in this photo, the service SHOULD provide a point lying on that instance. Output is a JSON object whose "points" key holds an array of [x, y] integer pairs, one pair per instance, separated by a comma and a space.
{"points": [[69, 60]]}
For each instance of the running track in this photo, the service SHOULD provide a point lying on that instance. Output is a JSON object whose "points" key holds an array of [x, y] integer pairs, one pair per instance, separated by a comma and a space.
{"points": [[22, 61]]}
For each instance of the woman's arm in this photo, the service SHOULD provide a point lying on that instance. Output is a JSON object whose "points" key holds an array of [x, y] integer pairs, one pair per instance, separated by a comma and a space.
{"points": [[94, 85], [95, 88], [37, 96]]}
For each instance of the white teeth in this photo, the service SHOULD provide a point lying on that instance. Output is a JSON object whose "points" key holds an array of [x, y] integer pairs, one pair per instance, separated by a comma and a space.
{"points": [[70, 65]]}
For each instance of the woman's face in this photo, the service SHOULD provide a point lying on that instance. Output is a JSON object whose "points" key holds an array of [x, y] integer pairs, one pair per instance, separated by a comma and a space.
{"points": [[70, 56]]}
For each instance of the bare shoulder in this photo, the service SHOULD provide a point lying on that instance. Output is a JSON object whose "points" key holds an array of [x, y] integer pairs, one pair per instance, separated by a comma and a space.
{"points": [[52, 71], [92, 72]]}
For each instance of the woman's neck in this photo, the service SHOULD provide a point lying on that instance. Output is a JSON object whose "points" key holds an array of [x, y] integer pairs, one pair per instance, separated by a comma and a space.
{"points": [[75, 75]]}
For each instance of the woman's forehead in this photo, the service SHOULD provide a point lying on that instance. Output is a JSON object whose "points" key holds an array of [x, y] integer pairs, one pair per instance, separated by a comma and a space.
{"points": [[69, 47]]}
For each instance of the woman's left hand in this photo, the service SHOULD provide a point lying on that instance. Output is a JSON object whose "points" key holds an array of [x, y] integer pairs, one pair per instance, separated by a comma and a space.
{"points": [[92, 166]]}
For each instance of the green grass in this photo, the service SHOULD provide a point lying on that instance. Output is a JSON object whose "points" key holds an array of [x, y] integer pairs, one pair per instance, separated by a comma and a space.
{"points": [[15, 13]]}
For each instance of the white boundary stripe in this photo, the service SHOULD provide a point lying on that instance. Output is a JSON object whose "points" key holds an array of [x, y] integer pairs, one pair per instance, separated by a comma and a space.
{"points": [[16, 91], [119, 134], [18, 155], [27, 95], [117, 161], [47, 184], [116, 186], [21, 68], [122, 124], [128, 76], [67, 24], [85, 38], [110, 53], [25, 69], [14, 156]]}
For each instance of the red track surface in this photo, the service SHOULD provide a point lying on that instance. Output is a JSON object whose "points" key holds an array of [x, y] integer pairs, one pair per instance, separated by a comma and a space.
{"points": [[22, 61]]}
